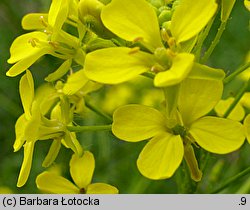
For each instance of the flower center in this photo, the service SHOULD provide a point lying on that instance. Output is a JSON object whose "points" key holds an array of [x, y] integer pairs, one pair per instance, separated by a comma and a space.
{"points": [[179, 130], [82, 191]]}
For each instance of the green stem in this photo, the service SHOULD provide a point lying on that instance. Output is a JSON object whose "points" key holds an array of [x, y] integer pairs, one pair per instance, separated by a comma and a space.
{"points": [[97, 110], [149, 75], [230, 77], [231, 181], [237, 98], [214, 42], [203, 36], [89, 128]]}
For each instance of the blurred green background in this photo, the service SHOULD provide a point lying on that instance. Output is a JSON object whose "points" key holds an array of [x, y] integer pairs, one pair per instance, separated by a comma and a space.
{"points": [[115, 160]]}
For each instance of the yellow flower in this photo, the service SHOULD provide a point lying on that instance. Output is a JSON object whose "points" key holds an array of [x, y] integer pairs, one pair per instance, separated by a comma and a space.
{"points": [[172, 139], [136, 21], [247, 127], [238, 113], [49, 39], [81, 170], [33, 126]]}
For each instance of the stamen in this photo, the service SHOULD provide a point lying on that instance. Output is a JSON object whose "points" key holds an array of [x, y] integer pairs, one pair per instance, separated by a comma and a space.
{"points": [[134, 50], [54, 44], [33, 42], [170, 53], [138, 39], [164, 35], [44, 23]]}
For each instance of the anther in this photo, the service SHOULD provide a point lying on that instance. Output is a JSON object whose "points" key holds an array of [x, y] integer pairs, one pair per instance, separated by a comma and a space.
{"points": [[134, 50], [138, 39], [44, 23], [33, 42], [54, 44]]}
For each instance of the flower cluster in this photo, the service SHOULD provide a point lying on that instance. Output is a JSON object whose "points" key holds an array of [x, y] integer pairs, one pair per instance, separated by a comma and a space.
{"points": [[101, 43]]}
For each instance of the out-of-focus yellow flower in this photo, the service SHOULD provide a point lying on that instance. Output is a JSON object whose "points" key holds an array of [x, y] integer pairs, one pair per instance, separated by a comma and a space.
{"points": [[247, 127], [81, 170], [238, 113], [247, 4], [5, 190]]}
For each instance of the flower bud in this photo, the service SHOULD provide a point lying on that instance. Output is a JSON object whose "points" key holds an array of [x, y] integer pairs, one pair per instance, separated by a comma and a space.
{"points": [[165, 15], [90, 14]]}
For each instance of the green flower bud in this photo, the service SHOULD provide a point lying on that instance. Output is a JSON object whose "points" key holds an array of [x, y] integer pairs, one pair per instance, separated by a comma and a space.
{"points": [[165, 15], [90, 7], [90, 15]]}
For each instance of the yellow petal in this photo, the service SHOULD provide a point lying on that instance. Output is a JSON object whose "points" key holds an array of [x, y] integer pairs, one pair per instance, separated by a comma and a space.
{"points": [[247, 127], [71, 142], [53, 152], [236, 114], [200, 71], [75, 82], [26, 165], [198, 97], [190, 17], [245, 100], [25, 63], [137, 122], [26, 89], [19, 130], [116, 65], [22, 48], [161, 156], [101, 188], [60, 72], [46, 103], [181, 66], [58, 14], [50, 182], [82, 169], [132, 20], [218, 135], [247, 4], [35, 21]]}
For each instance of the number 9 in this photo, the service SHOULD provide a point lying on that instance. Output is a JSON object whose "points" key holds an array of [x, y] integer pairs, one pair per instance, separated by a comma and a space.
{"points": [[243, 200]]}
